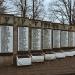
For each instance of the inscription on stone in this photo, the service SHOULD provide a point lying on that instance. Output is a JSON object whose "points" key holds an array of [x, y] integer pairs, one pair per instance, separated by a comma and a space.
{"points": [[64, 38], [23, 39], [47, 34], [36, 39], [71, 39], [6, 39], [56, 38]]}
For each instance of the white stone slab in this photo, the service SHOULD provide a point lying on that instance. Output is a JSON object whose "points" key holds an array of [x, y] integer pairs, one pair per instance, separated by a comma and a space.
{"points": [[23, 39], [36, 39], [73, 53], [60, 55], [56, 38], [38, 58], [23, 61], [50, 56], [0, 39], [69, 53], [47, 40], [10, 44], [71, 39], [64, 38], [6, 39]]}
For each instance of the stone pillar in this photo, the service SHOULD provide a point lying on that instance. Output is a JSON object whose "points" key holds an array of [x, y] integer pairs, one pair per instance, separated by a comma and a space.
{"points": [[15, 43]]}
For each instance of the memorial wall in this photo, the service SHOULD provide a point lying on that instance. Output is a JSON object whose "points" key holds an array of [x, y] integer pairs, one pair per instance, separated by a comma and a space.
{"points": [[32, 37], [44, 35]]}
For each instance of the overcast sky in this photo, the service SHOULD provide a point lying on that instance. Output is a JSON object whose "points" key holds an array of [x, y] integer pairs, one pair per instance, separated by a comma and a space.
{"points": [[9, 4]]}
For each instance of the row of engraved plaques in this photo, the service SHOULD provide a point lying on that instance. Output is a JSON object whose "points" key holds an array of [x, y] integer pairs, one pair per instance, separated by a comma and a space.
{"points": [[49, 37], [6, 39]]}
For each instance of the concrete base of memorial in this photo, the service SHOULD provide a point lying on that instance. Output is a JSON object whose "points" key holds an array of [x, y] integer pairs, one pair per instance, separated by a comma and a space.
{"points": [[23, 61]]}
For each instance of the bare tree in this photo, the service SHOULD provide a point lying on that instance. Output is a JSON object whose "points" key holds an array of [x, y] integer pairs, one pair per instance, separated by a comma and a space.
{"points": [[23, 7], [73, 16], [2, 7], [20, 7], [61, 10], [38, 9], [33, 9]]}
